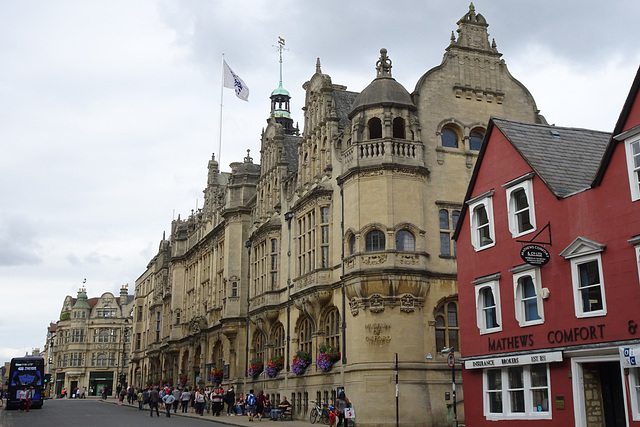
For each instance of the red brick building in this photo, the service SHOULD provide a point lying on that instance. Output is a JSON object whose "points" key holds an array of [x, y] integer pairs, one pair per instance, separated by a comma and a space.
{"points": [[549, 275]]}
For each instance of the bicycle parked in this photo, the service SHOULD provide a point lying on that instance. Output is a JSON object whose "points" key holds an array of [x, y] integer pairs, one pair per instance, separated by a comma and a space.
{"points": [[319, 413]]}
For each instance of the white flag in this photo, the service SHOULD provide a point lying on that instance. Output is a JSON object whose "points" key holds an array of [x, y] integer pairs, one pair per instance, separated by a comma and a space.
{"points": [[233, 81]]}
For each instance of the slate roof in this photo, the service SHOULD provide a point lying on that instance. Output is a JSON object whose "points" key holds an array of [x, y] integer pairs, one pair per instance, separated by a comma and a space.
{"points": [[382, 90], [290, 144], [566, 159], [343, 100]]}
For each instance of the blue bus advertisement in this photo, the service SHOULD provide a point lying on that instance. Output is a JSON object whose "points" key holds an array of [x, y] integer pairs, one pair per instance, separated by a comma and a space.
{"points": [[26, 373]]}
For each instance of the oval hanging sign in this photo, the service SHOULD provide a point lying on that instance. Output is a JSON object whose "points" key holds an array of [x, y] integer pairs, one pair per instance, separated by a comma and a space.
{"points": [[535, 255]]}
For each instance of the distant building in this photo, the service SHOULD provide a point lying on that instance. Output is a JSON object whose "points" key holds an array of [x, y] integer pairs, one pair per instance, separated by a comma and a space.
{"points": [[337, 248], [90, 346], [549, 286]]}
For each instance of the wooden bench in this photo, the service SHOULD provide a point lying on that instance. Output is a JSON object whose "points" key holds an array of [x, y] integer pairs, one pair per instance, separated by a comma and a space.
{"points": [[287, 415]]}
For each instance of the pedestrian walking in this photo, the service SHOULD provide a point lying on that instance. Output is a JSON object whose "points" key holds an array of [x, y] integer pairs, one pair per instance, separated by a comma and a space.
{"points": [[154, 398], [185, 397], [168, 402], [230, 400]]}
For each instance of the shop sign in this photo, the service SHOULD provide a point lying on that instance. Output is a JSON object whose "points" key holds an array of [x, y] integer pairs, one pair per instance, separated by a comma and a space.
{"points": [[629, 356], [535, 255], [521, 359]]}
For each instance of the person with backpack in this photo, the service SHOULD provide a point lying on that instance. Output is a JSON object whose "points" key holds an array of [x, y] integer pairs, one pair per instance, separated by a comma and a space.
{"points": [[251, 405]]}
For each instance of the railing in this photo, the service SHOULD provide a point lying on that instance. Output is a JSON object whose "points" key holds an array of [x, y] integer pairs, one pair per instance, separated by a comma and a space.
{"points": [[385, 150]]}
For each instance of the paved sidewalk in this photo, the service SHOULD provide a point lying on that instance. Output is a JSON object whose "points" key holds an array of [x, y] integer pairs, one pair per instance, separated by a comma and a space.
{"points": [[222, 419]]}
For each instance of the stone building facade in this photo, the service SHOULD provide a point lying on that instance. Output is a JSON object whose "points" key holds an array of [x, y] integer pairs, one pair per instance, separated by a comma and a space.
{"points": [[339, 241], [90, 346]]}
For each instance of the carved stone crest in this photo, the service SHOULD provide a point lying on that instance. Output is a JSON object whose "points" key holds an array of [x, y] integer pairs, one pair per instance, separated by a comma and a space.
{"points": [[407, 303], [376, 303]]}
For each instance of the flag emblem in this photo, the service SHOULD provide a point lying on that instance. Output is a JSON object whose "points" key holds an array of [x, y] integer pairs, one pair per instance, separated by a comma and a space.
{"points": [[233, 81]]}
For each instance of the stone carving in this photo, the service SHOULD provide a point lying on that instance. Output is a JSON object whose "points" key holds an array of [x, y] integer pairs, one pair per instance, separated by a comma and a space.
{"points": [[408, 259], [374, 259], [407, 303], [354, 306], [376, 303]]}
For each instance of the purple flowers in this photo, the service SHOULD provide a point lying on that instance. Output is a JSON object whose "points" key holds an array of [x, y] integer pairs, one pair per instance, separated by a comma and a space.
{"points": [[301, 362], [274, 366], [327, 356]]}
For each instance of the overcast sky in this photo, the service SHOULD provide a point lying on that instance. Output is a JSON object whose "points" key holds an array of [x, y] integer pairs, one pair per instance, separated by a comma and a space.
{"points": [[109, 111]]}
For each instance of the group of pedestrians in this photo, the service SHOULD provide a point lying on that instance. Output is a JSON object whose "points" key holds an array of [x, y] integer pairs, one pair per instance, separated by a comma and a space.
{"points": [[201, 400]]}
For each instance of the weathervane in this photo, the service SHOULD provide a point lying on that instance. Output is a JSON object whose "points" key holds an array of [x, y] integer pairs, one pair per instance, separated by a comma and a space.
{"points": [[280, 47]]}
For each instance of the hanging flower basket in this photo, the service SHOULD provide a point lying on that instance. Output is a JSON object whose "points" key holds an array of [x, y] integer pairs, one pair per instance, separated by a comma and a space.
{"points": [[255, 368], [274, 366], [301, 362], [216, 375], [327, 356]]}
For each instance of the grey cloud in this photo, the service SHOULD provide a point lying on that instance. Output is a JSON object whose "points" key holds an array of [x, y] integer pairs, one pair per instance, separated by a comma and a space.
{"points": [[18, 241]]}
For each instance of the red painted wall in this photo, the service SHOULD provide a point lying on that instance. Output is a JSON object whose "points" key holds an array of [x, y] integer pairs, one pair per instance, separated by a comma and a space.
{"points": [[604, 214]]}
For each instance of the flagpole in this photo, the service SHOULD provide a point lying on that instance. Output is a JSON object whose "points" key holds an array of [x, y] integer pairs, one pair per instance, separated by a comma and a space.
{"points": [[220, 127]]}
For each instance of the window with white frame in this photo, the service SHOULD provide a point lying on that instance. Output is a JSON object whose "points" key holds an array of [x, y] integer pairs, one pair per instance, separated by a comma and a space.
{"points": [[482, 226], [527, 292], [586, 277], [633, 166], [588, 286], [517, 392], [488, 314], [520, 208]]}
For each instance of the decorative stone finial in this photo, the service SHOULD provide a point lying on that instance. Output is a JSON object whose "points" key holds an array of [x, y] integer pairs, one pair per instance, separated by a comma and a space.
{"points": [[318, 69], [383, 66], [248, 159], [453, 37]]}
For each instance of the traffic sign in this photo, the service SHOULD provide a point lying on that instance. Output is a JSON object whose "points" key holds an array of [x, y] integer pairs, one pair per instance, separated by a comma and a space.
{"points": [[451, 360]]}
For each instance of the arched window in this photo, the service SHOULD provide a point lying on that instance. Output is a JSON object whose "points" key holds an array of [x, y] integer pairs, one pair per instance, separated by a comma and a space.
{"points": [[405, 241], [449, 138], [218, 355], [475, 140], [102, 360], [332, 328], [375, 128], [374, 241], [447, 329], [258, 346], [304, 337], [398, 128], [352, 244], [278, 341]]}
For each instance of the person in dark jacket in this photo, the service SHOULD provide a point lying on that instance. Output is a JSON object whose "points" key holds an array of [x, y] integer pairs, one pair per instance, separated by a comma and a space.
{"points": [[154, 398], [230, 400]]}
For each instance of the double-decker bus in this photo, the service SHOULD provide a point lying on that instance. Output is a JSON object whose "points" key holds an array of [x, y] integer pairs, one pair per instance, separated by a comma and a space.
{"points": [[26, 373]]}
